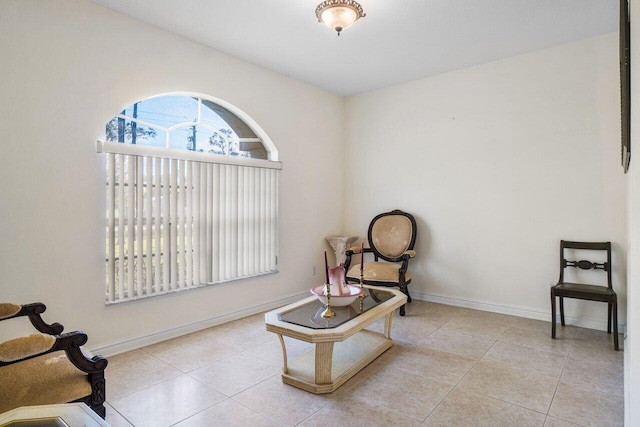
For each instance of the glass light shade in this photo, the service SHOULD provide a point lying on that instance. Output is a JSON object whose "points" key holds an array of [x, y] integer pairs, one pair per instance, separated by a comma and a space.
{"points": [[339, 17]]}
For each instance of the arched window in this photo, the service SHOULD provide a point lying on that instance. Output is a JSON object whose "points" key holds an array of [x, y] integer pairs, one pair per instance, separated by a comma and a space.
{"points": [[192, 197], [185, 122]]}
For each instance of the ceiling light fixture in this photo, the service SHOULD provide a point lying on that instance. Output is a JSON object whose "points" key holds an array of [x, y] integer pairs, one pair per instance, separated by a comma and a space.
{"points": [[339, 14]]}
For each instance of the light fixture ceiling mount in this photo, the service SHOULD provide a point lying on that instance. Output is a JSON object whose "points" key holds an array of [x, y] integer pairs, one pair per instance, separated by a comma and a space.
{"points": [[339, 14]]}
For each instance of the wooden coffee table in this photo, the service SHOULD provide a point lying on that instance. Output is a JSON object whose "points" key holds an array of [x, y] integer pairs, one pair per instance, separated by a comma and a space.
{"points": [[342, 345]]}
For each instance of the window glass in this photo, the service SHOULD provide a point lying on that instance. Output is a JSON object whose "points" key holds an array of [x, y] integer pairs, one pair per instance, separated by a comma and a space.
{"points": [[167, 111], [131, 132], [185, 123], [211, 118], [181, 138]]}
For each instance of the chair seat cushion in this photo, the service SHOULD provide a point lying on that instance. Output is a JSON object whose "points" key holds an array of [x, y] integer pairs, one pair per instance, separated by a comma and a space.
{"points": [[572, 288], [43, 380], [378, 272], [23, 347]]}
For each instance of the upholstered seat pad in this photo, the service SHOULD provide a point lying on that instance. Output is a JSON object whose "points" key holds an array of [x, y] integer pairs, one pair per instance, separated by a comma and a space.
{"points": [[43, 380], [378, 272], [8, 309], [579, 287], [23, 347]]}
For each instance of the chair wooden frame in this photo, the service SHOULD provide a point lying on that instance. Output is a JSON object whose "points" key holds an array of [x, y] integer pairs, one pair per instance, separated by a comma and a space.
{"points": [[69, 343], [404, 258], [583, 291]]}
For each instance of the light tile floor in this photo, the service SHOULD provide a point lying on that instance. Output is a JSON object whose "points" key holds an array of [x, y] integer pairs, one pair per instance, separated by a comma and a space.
{"points": [[449, 366]]}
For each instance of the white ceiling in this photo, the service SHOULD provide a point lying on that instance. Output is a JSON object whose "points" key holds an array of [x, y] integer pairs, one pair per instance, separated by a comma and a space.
{"points": [[398, 40]]}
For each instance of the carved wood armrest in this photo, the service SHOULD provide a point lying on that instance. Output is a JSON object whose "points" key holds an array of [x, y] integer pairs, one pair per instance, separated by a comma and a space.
{"points": [[71, 343], [406, 256], [33, 311], [353, 250], [357, 249]]}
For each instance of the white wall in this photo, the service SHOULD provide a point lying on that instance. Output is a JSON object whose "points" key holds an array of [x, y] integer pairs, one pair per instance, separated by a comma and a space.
{"points": [[67, 68], [498, 163]]}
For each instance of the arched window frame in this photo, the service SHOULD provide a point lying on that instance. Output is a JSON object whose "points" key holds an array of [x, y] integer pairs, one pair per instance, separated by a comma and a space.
{"points": [[215, 215], [262, 136]]}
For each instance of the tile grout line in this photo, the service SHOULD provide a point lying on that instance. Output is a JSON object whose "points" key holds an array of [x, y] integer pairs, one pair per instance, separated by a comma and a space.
{"points": [[566, 358], [491, 397], [119, 413], [252, 410], [459, 381], [149, 386], [199, 412], [564, 366]]}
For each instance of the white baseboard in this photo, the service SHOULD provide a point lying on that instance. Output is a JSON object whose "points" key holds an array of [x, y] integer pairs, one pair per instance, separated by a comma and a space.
{"points": [[139, 341], [519, 311], [133, 343]]}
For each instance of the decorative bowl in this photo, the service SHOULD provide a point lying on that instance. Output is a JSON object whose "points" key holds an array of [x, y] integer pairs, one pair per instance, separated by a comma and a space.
{"points": [[337, 300]]}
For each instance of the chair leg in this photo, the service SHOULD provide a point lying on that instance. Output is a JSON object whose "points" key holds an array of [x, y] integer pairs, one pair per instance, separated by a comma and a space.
{"points": [[100, 410], [553, 315], [615, 325], [404, 290], [609, 316], [562, 311]]}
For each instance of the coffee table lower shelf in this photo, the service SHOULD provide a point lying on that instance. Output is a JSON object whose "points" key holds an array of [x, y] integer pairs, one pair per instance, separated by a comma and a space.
{"points": [[330, 364]]}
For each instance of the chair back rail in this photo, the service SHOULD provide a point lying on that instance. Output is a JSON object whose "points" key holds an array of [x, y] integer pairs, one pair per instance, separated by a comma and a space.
{"points": [[585, 264]]}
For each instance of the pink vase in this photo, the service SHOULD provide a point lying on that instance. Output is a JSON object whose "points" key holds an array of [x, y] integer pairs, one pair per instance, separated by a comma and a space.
{"points": [[337, 281]]}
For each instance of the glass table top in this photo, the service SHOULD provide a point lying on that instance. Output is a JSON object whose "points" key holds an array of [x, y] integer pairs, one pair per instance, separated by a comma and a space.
{"points": [[309, 315]]}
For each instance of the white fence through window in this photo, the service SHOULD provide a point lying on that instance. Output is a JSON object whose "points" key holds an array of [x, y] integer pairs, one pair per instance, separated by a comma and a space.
{"points": [[187, 221]]}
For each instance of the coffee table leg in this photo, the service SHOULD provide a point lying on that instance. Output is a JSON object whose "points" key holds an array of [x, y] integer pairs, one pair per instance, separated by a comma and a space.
{"points": [[324, 358], [285, 368], [387, 325]]}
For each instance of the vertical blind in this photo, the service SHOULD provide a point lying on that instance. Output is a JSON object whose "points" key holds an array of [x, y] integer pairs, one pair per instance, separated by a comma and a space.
{"points": [[181, 223]]}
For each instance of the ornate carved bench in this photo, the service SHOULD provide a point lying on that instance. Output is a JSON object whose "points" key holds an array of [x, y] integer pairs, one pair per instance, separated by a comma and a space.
{"points": [[48, 367]]}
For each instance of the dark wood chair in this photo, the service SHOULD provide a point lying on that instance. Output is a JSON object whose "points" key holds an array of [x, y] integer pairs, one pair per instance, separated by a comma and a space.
{"points": [[584, 291], [391, 237], [48, 367]]}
